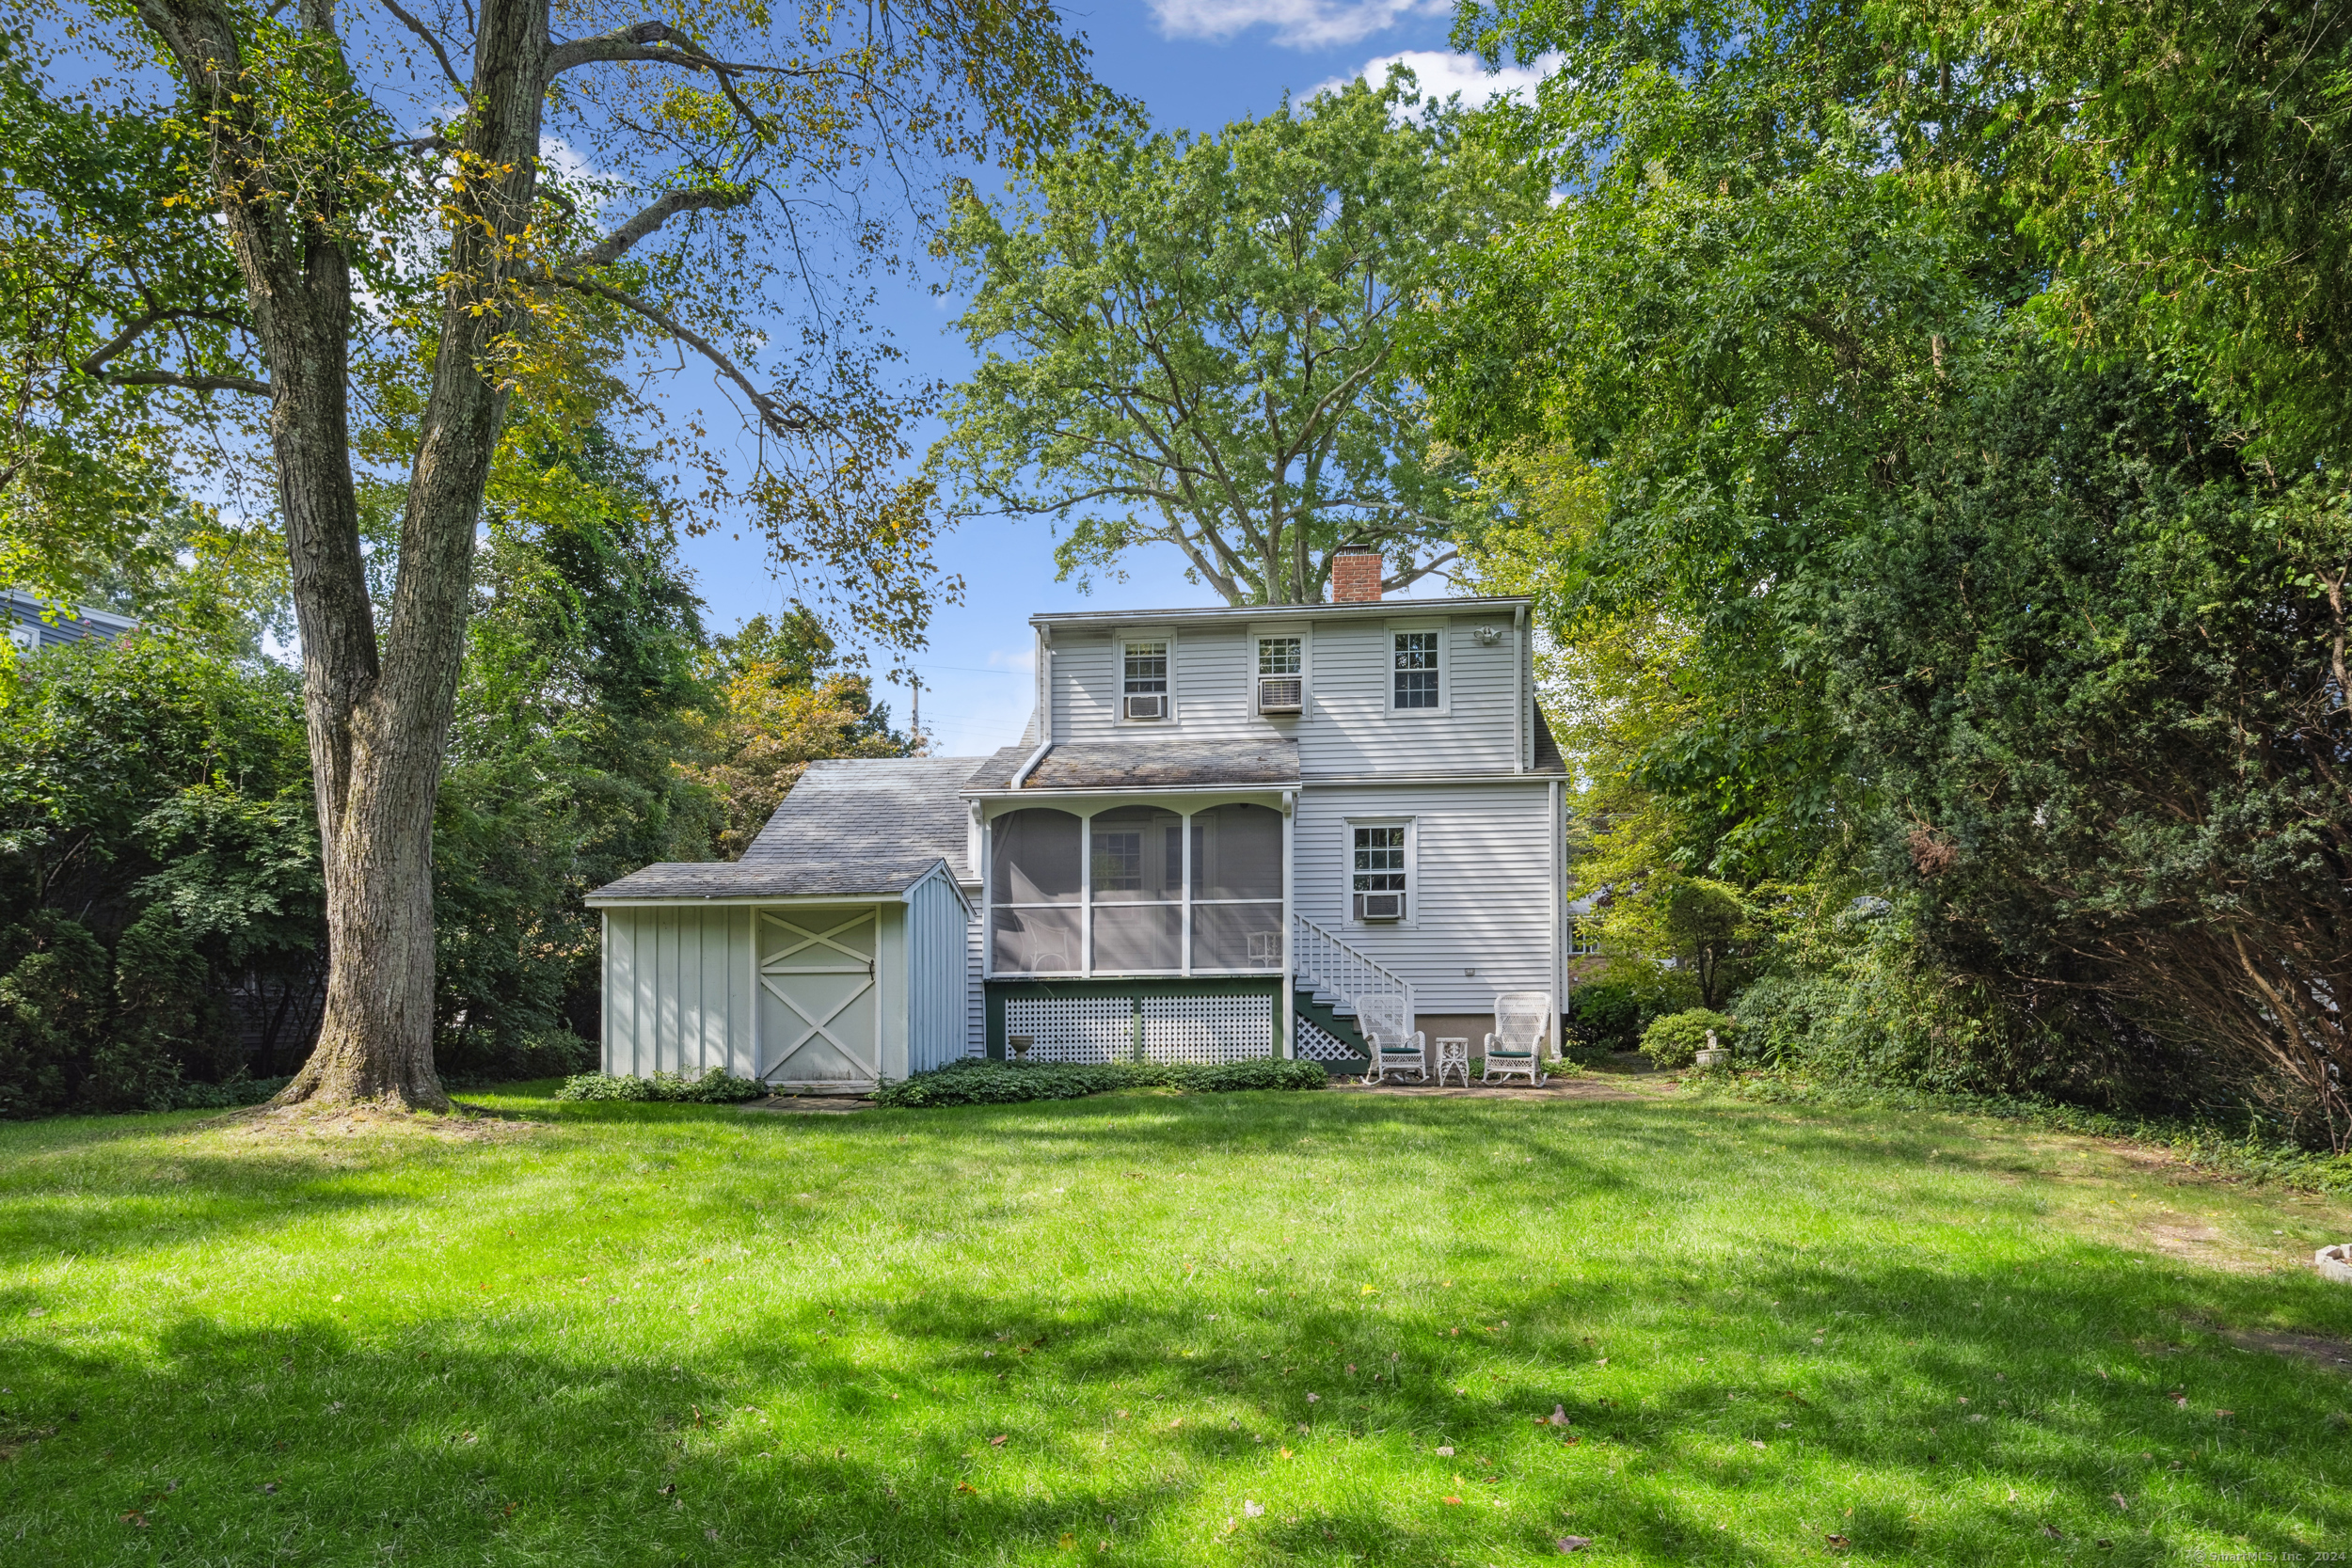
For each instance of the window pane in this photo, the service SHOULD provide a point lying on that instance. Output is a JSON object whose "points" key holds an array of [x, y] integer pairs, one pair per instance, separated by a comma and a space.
{"points": [[1278, 655], [1380, 860], [1146, 668], [1129, 937], [1237, 852], [1416, 669], [1139, 855], [1236, 936], [1036, 941], [1037, 857]]}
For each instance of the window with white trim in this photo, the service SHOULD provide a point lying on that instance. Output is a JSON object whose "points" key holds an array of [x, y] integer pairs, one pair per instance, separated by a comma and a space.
{"points": [[1583, 937], [1143, 671], [1281, 675], [1416, 673], [1379, 875]]}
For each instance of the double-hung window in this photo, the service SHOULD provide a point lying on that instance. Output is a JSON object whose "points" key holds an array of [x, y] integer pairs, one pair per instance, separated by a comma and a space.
{"points": [[1416, 670], [1143, 668], [1380, 872], [1281, 675]]}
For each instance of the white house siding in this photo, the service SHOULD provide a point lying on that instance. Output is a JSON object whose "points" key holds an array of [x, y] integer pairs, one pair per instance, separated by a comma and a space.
{"points": [[677, 991], [1347, 729], [975, 990], [1481, 888], [938, 956]]}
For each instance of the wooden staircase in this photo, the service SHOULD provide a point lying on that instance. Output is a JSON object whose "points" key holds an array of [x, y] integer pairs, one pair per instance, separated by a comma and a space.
{"points": [[1328, 976]]}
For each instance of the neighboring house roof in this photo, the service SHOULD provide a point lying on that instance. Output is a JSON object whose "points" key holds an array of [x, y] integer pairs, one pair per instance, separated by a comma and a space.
{"points": [[33, 622], [1156, 763], [851, 826]]}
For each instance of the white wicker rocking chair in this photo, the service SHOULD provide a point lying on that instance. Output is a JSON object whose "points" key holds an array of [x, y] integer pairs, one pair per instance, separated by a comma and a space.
{"points": [[1394, 1051], [1522, 1024]]}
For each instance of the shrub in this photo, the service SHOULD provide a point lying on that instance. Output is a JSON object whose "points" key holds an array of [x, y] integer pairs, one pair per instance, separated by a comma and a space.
{"points": [[1610, 1013], [978, 1082], [474, 1057], [1676, 1041], [712, 1088]]}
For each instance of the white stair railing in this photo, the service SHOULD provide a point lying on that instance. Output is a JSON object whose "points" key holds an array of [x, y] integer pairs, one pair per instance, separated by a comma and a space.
{"points": [[1328, 966]]}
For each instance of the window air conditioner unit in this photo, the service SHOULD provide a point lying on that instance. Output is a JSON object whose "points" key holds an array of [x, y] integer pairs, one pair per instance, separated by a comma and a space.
{"points": [[1278, 693], [1154, 707], [1379, 905]]}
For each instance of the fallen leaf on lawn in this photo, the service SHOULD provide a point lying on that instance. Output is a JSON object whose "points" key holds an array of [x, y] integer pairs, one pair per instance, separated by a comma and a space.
{"points": [[1836, 1542], [998, 1441], [1314, 1398], [1756, 1442], [1068, 1541], [2052, 1533], [1558, 1414], [1250, 1510], [1286, 1454], [136, 1517], [668, 1488], [1174, 1424], [1351, 1366], [1447, 1452], [2106, 1545], [968, 1486], [2117, 1498], [2225, 1414], [1456, 1501], [1575, 1543]]}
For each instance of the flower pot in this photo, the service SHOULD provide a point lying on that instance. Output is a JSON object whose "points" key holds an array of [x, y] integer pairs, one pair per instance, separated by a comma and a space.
{"points": [[1716, 1060]]}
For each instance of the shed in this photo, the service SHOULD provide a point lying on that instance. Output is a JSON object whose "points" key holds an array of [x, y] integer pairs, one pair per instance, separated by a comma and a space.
{"points": [[833, 956]]}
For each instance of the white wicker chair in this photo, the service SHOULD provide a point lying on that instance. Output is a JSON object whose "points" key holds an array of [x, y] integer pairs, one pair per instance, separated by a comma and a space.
{"points": [[1522, 1024], [1394, 1051]]}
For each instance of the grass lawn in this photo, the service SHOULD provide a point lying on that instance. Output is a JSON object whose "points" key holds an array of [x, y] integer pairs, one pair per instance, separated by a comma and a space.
{"points": [[1151, 1328]]}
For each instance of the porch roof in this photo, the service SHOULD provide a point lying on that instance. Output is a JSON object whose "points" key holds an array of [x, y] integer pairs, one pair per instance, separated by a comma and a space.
{"points": [[749, 878], [1155, 764]]}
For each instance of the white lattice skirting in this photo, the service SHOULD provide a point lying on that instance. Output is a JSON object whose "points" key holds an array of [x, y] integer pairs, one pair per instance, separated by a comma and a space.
{"points": [[1173, 1028], [1318, 1044]]}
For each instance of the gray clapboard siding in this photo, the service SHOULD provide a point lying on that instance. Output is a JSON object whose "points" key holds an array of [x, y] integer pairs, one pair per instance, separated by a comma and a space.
{"points": [[1482, 888], [974, 993], [1347, 729]]}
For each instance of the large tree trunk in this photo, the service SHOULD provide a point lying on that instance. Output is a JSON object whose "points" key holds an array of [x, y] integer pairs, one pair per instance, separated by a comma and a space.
{"points": [[379, 722]]}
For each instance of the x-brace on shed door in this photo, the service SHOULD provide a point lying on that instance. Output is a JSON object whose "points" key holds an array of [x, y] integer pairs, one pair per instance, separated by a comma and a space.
{"points": [[820, 1015]]}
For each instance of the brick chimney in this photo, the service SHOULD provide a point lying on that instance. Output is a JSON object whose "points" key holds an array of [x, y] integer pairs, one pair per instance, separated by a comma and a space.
{"points": [[1355, 578]]}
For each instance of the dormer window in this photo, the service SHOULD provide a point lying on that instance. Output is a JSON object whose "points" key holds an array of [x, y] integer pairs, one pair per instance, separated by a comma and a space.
{"points": [[1144, 669], [1281, 675]]}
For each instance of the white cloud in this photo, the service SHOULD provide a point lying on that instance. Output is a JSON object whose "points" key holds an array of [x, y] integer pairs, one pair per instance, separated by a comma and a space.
{"points": [[1443, 75], [1298, 24]]}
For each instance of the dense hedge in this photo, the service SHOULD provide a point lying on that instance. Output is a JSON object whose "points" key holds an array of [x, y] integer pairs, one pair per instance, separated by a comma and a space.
{"points": [[977, 1082], [712, 1088]]}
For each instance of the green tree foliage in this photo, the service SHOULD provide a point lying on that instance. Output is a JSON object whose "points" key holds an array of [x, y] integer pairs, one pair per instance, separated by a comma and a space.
{"points": [[1192, 340], [1965, 387], [157, 849]]}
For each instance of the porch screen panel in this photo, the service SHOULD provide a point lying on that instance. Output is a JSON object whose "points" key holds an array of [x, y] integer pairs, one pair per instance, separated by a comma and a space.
{"points": [[1036, 921], [1237, 889], [1137, 866]]}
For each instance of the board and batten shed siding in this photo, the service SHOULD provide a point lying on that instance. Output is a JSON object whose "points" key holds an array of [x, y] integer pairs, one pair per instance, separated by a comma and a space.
{"points": [[1480, 894], [938, 956], [677, 994], [1347, 729]]}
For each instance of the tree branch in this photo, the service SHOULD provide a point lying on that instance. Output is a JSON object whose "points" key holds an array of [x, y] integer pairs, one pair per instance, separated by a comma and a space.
{"points": [[430, 43], [191, 383], [613, 246], [132, 333], [782, 419]]}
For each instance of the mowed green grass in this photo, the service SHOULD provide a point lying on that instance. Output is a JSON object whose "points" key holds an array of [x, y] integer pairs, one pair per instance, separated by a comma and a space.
{"points": [[1112, 1331]]}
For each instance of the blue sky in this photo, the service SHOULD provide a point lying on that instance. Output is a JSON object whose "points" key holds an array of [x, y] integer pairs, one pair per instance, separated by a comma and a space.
{"points": [[1195, 64]]}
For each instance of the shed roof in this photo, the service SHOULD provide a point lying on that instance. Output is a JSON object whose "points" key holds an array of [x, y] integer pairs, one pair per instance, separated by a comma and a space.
{"points": [[851, 827], [1155, 764], [744, 879], [872, 809]]}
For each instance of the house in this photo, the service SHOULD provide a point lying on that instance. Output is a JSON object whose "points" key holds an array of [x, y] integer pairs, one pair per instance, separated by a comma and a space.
{"points": [[1222, 827], [34, 623]]}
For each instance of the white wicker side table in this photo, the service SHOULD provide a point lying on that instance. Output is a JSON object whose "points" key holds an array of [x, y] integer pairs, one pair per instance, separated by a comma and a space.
{"points": [[1454, 1056]]}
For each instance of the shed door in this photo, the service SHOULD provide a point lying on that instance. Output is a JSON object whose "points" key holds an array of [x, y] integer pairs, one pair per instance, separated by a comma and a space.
{"points": [[819, 1019]]}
